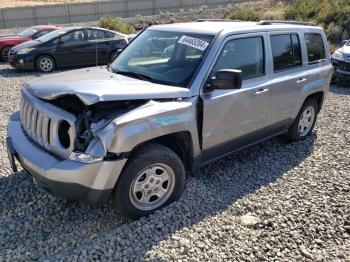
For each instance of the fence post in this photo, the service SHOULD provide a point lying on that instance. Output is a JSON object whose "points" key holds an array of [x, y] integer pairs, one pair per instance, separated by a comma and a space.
{"points": [[154, 7], [67, 13], [34, 15], [2, 16], [126, 8], [96, 11]]}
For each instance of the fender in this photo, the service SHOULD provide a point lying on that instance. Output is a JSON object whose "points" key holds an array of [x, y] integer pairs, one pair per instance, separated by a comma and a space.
{"points": [[152, 120]]}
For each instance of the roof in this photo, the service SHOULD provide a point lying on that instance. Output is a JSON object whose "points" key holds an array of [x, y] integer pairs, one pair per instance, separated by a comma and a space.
{"points": [[215, 27], [47, 26]]}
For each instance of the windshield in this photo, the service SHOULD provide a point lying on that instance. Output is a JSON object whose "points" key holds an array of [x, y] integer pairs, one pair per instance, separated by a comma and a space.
{"points": [[169, 58], [28, 32], [52, 35]]}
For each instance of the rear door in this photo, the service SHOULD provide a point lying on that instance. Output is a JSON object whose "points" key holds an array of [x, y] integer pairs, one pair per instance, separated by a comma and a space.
{"points": [[287, 75], [234, 118], [99, 46]]}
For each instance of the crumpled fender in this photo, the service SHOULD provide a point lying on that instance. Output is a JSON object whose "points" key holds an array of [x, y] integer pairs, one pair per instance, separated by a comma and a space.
{"points": [[149, 121]]}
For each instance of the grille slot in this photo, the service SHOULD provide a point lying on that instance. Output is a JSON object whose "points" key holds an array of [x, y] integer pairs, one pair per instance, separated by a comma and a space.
{"points": [[35, 123]]}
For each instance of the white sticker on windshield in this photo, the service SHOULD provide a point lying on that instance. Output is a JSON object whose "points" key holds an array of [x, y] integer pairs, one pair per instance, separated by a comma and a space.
{"points": [[193, 42]]}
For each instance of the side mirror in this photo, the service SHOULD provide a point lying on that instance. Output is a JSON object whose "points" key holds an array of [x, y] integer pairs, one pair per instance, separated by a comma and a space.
{"points": [[344, 42], [227, 79], [61, 42]]}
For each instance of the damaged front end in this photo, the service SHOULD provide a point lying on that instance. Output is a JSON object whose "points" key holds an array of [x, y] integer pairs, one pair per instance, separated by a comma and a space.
{"points": [[88, 148]]}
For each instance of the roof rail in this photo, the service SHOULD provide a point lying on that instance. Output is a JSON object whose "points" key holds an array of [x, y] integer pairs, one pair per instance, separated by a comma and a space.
{"points": [[217, 20], [290, 22]]}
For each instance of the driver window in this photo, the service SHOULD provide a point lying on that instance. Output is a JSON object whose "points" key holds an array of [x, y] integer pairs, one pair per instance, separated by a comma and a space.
{"points": [[246, 54], [73, 37]]}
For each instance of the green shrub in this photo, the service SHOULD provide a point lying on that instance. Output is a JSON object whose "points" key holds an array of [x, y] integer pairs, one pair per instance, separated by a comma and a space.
{"points": [[116, 24], [332, 15], [304, 10], [245, 14]]}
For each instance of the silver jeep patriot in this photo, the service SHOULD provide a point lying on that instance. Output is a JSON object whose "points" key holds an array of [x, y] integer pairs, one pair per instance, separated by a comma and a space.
{"points": [[178, 97]]}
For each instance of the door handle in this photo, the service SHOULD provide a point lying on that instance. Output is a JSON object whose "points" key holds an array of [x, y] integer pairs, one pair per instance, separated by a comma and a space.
{"points": [[301, 80], [261, 91]]}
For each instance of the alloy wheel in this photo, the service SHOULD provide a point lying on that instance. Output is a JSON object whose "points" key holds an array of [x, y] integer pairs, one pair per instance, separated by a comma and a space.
{"points": [[5, 53], [46, 64]]}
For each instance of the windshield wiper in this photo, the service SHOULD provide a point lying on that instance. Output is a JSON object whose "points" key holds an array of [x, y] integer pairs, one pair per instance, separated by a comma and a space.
{"points": [[138, 75]]}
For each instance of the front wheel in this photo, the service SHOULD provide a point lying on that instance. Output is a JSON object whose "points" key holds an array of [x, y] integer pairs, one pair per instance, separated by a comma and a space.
{"points": [[45, 64], [153, 178], [305, 121]]}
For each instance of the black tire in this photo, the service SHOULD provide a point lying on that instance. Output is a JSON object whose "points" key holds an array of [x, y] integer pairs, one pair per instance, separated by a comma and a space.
{"points": [[152, 154], [4, 53], [294, 133], [39, 64]]}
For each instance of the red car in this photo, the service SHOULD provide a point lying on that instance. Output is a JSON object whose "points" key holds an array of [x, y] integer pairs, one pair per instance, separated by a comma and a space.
{"points": [[9, 41]]}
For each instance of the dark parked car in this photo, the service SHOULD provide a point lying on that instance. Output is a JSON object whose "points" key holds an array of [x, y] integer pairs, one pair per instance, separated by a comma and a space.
{"points": [[11, 40], [73, 46]]}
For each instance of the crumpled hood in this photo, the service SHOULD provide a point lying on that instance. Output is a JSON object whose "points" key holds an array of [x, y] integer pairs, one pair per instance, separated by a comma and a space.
{"points": [[96, 84]]}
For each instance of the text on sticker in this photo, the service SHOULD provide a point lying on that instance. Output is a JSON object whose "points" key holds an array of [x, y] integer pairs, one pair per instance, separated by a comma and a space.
{"points": [[193, 42]]}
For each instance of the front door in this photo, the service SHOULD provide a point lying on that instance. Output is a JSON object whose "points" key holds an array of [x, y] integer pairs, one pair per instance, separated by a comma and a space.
{"points": [[234, 118]]}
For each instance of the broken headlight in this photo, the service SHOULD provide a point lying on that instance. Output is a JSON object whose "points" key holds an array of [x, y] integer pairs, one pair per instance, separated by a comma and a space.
{"points": [[85, 158]]}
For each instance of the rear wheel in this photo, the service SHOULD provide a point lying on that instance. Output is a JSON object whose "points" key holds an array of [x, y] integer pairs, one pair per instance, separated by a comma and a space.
{"points": [[45, 64], [153, 178], [5, 53], [305, 121]]}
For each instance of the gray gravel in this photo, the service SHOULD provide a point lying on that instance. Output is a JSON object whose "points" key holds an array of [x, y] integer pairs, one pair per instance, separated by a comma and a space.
{"points": [[296, 198]]}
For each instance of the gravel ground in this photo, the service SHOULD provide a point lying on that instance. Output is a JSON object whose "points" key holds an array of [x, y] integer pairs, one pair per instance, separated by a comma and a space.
{"points": [[298, 195]]}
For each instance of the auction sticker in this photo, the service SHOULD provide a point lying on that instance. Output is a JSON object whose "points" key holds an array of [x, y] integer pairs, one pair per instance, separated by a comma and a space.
{"points": [[193, 42]]}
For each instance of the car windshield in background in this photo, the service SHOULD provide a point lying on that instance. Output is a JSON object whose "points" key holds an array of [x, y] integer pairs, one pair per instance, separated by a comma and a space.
{"points": [[52, 35], [28, 32], [163, 57]]}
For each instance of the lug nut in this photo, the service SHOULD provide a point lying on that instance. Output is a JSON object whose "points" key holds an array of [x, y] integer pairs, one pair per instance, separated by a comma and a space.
{"points": [[151, 180], [146, 186], [156, 189], [158, 181], [149, 192]]}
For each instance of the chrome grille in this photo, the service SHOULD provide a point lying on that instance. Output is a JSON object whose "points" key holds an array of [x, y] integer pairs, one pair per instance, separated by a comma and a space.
{"points": [[36, 123], [40, 122]]}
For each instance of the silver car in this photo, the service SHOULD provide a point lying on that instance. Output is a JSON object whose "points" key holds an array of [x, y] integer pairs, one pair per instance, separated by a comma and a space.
{"points": [[130, 132], [341, 62]]}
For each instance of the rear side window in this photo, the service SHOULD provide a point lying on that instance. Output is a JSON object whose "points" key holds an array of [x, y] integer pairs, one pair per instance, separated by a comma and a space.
{"points": [[286, 51], [246, 54], [315, 48]]}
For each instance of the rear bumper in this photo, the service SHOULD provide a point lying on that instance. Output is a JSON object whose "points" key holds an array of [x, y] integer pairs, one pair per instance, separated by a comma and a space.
{"points": [[91, 183]]}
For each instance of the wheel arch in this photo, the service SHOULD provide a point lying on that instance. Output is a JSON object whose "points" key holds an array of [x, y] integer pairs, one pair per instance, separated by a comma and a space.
{"points": [[318, 96], [179, 142]]}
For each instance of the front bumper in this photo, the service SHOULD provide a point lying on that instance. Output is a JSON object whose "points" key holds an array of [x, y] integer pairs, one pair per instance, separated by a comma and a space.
{"points": [[91, 183], [341, 70], [26, 62]]}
